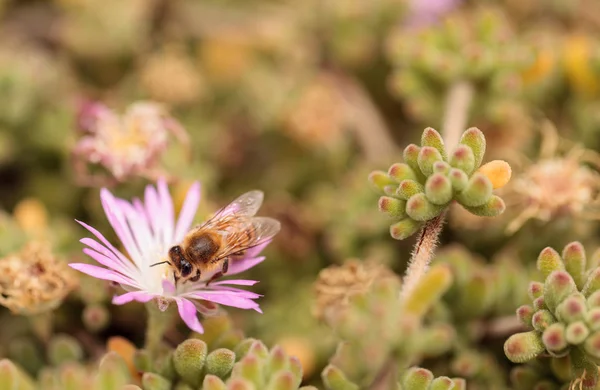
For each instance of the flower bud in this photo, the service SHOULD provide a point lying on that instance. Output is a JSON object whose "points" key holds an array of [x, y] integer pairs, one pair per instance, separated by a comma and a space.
{"points": [[212, 382], [548, 261], [152, 381], [239, 384], [219, 362], [558, 286], [393, 207], [542, 319], [417, 378], [577, 332], [572, 309], [242, 348], [113, 372], [539, 304], [497, 171], [64, 348], [593, 318], [459, 179], [441, 167], [593, 283], [427, 157], [409, 188], [463, 159], [251, 367], [554, 337], [592, 345], [411, 157], [421, 209], [188, 359], [492, 208], [438, 189], [522, 347], [432, 138], [594, 300], [282, 380], [400, 171], [95, 317], [477, 192], [335, 379], [525, 314], [428, 290], [535, 290], [12, 377], [442, 383], [379, 180], [404, 229], [574, 258], [278, 360], [474, 139]]}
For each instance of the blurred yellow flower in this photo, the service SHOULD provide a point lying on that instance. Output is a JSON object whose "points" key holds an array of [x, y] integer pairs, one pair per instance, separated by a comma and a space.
{"points": [[577, 62]]}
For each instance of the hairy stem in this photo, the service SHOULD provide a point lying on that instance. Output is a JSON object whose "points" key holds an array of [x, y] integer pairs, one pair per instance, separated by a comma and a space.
{"points": [[458, 102], [157, 325], [422, 254]]}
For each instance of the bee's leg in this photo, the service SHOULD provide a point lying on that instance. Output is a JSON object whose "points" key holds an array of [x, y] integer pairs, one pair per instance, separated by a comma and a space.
{"points": [[214, 277], [225, 266]]}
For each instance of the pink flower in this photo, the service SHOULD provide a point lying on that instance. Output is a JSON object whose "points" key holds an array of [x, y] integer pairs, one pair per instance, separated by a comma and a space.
{"points": [[147, 230]]}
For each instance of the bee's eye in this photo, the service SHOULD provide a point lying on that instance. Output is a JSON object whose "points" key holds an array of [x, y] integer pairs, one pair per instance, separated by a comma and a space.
{"points": [[186, 269]]}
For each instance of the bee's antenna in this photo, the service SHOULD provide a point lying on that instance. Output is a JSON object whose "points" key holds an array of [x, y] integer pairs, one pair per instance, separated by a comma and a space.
{"points": [[162, 262]]}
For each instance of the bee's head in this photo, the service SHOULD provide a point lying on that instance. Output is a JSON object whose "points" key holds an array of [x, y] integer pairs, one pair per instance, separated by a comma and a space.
{"points": [[185, 269]]}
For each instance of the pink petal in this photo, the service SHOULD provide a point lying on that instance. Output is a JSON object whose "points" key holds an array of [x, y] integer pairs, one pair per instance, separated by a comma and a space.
{"points": [[189, 315], [237, 282], [108, 259], [117, 221], [238, 266], [103, 273], [139, 296], [168, 287], [105, 242], [110, 263], [168, 214], [188, 211], [152, 207], [228, 300]]}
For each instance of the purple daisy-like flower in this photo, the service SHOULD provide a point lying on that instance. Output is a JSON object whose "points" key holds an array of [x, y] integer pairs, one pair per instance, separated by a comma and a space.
{"points": [[147, 230]]}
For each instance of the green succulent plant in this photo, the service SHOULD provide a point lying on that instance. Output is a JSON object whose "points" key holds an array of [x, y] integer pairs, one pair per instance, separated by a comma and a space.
{"points": [[422, 188]]}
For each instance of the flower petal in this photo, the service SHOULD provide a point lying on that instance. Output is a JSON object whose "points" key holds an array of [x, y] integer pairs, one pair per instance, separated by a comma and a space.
{"points": [[107, 258], [189, 315], [188, 211], [104, 241], [237, 282], [232, 300], [103, 273], [140, 296], [168, 287], [168, 214], [238, 266]]}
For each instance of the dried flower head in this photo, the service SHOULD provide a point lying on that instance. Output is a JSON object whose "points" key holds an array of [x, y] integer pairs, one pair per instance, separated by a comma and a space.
{"points": [[317, 117], [337, 284], [555, 186], [34, 280], [126, 145]]}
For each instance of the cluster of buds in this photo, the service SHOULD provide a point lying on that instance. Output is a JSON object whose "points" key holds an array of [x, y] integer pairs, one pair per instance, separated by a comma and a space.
{"points": [[422, 188], [564, 317], [479, 288], [249, 365], [375, 324], [474, 46], [414, 378], [125, 146]]}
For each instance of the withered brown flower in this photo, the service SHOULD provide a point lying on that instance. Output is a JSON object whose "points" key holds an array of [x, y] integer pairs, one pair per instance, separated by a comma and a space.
{"points": [[557, 185], [338, 284], [34, 280]]}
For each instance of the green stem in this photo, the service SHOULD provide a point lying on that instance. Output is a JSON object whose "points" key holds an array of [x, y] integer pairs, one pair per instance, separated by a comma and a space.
{"points": [[157, 325]]}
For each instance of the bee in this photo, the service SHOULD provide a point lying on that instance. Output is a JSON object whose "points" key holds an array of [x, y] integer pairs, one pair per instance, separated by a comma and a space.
{"points": [[206, 251]]}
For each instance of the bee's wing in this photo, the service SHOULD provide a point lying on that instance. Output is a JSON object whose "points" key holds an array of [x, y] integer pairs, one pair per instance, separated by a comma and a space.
{"points": [[237, 211], [250, 233]]}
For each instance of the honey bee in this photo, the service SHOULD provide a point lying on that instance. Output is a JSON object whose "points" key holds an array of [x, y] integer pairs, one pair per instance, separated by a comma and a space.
{"points": [[206, 251]]}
